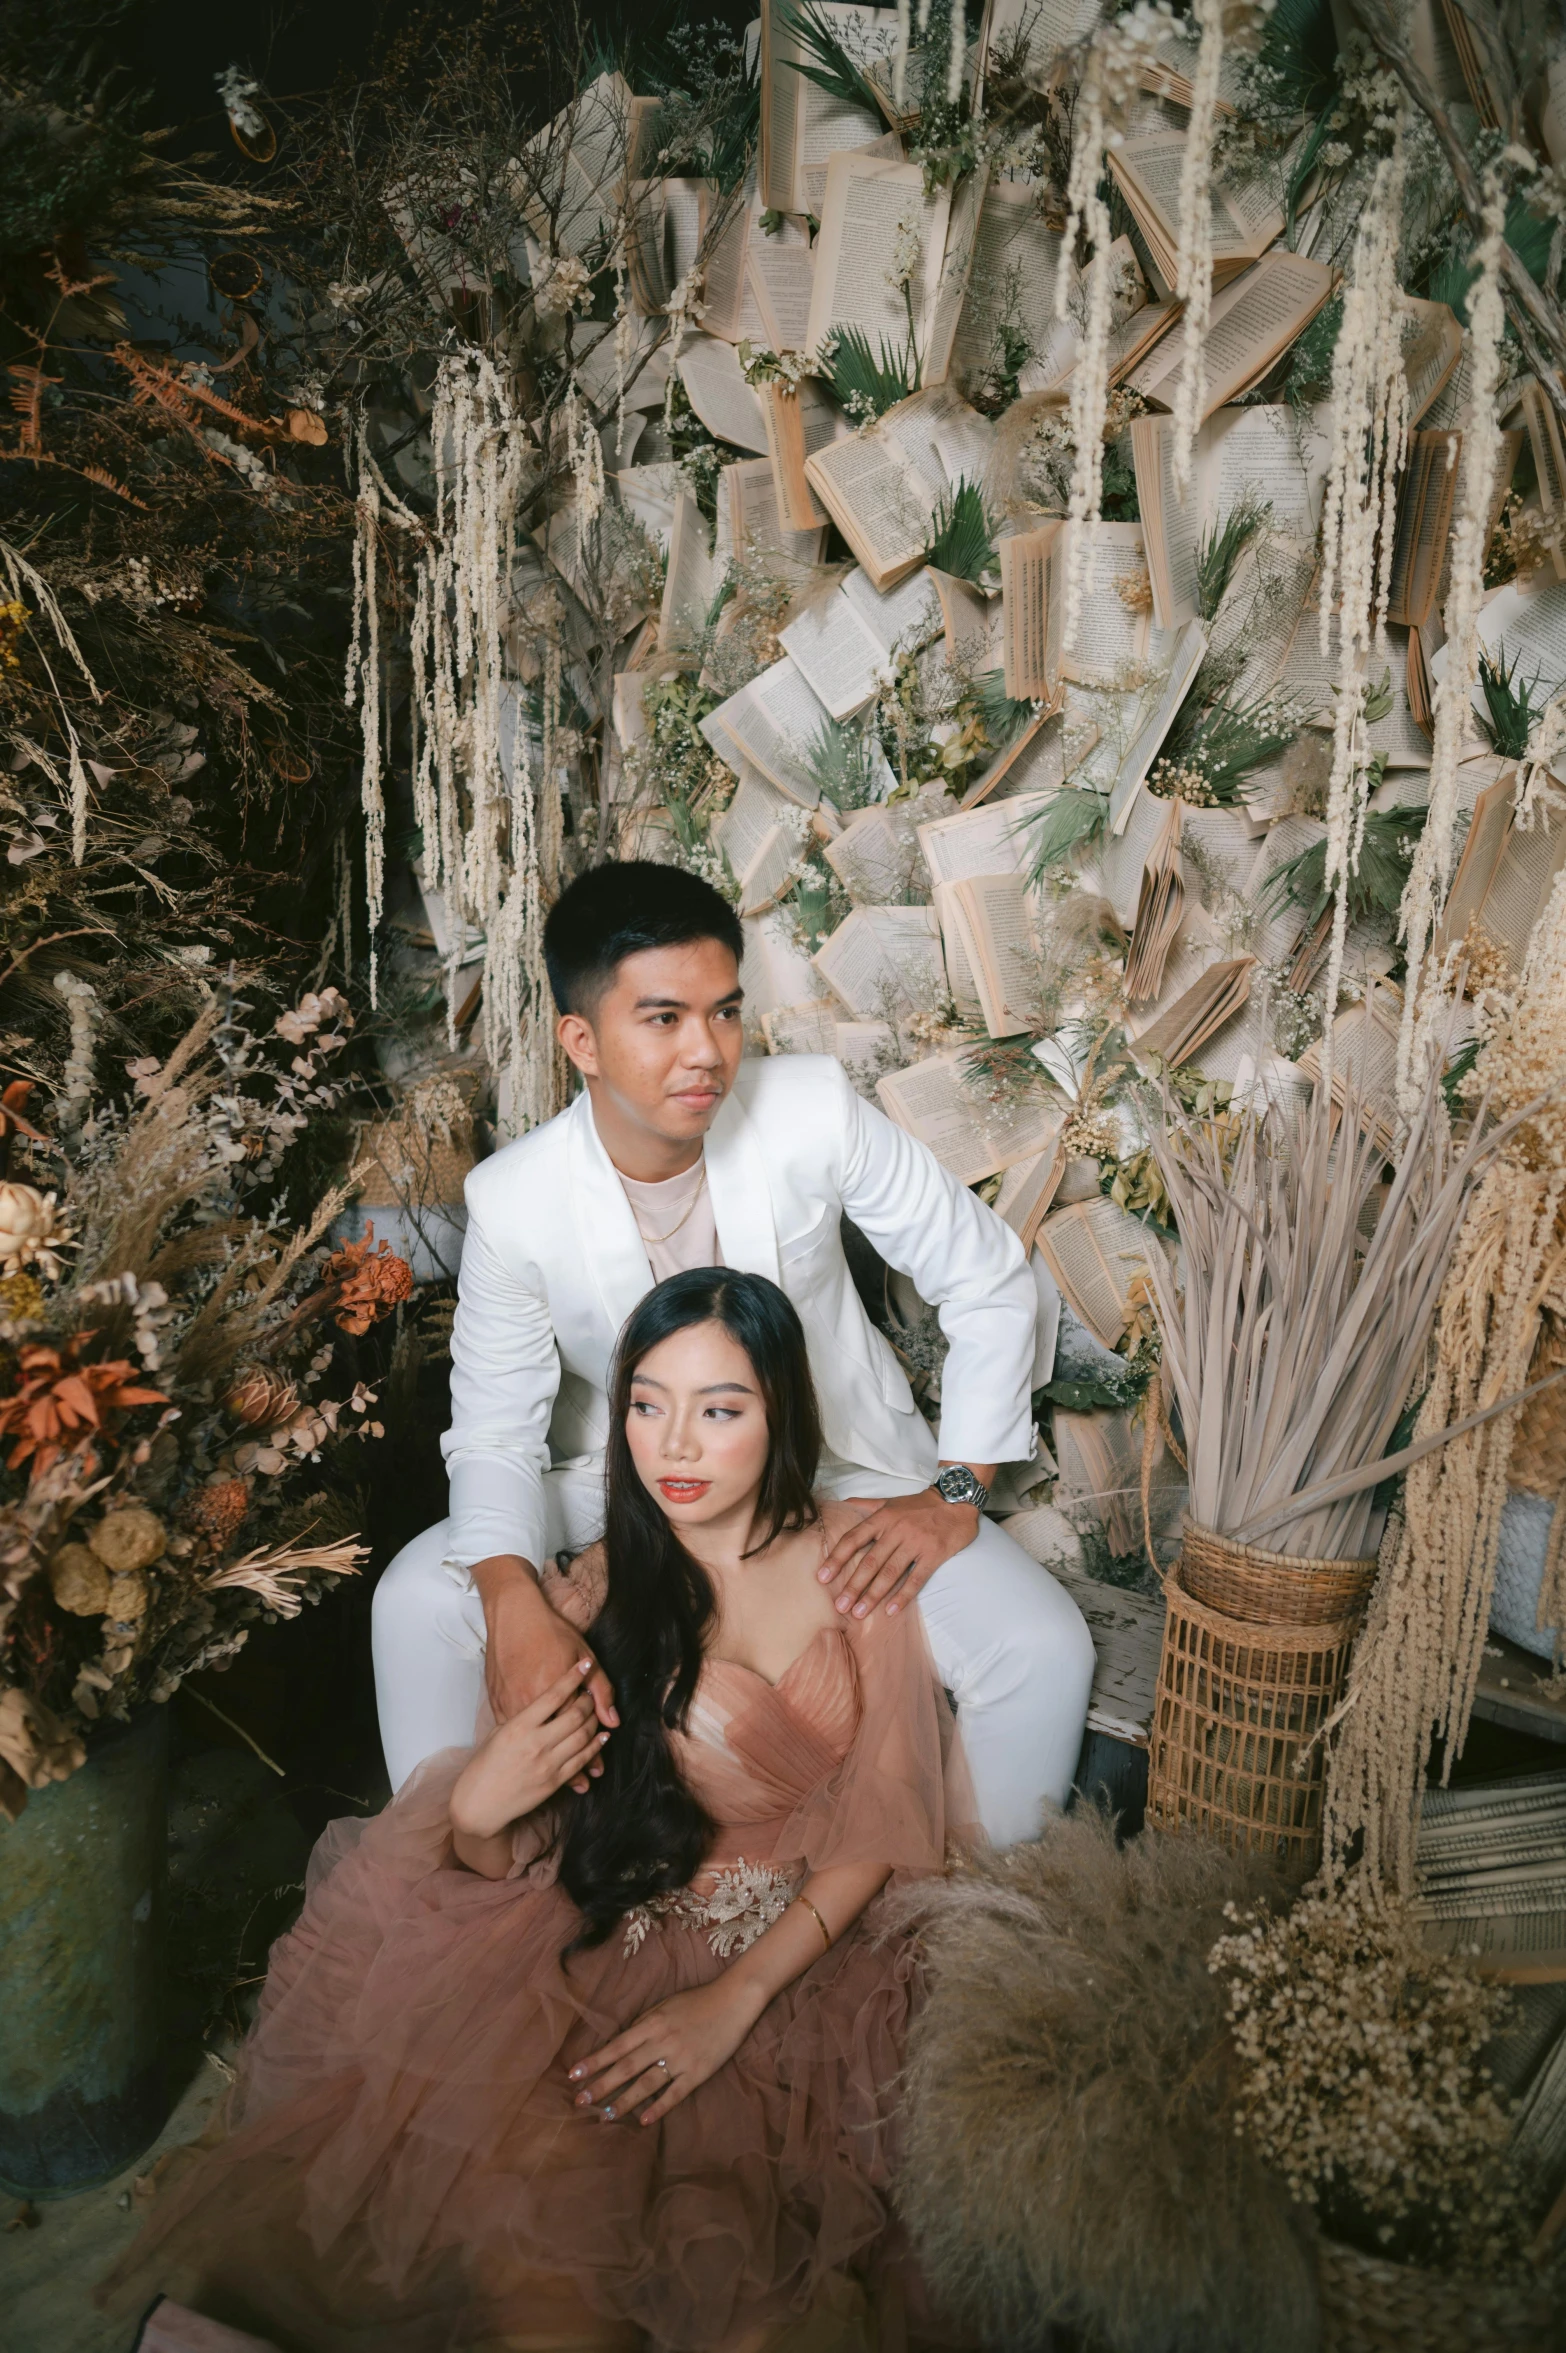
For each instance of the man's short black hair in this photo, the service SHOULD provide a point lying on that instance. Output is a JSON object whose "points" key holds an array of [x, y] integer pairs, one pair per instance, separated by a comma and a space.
{"points": [[616, 910]]}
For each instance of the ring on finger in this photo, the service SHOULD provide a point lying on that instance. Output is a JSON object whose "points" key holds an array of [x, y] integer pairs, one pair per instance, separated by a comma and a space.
{"points": [[663, 2063]]}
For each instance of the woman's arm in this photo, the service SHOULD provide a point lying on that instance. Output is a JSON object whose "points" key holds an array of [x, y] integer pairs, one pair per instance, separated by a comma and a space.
{"points": [[519, 1768], [678, 2044]]}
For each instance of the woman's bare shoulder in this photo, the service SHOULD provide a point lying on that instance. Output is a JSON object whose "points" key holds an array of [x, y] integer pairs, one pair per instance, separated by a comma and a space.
{"points": [[576, 1588]]}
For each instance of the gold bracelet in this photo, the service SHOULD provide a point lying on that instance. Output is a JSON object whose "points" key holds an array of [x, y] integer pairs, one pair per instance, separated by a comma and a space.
{"points": [[826, 1933]]}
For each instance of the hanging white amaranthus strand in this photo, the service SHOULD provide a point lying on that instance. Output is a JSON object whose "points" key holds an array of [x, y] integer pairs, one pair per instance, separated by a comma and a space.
{"points": [[1431, 871], [1090, 378], [957, 54], [1194, 259], [1369, 444]]}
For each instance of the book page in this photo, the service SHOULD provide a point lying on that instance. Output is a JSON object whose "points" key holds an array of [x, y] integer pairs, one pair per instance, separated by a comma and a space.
{"points": [[1245, 213], [835, 653], [1264, 608], [1432, 347], [876, 856], [969, 1135], [1254, 318], [971, 623], [827, 126], [576, 162], [1524, 875], [776, 721], [782, 271], [961, 953], [885, 959], [992, 840], [753, 814], [1115, 865], [1530, 629], [774, 970], [872, 210], [1178, 1031], [1364, 1056], [723, 278], [1000, 926], [803, 125], [1030, 661], [1111, 631], [945, 297], [1271, 453], [1169, 522], [1028, 1188], [691, 581], [755, 526], [716, 388], [1190, 651], [1095, 1250], [801, 1029], [898, 618]]}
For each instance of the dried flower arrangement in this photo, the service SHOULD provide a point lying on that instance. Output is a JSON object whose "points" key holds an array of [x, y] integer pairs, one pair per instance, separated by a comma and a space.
{"points": [[166, 1368]]}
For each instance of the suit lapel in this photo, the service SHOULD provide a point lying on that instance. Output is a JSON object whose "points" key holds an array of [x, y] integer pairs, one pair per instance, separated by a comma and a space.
{"points": [[611, 1245], [741, 1195]]}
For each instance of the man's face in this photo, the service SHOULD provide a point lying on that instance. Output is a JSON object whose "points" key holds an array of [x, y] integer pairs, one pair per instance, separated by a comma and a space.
{"points": [[664, 1040]]}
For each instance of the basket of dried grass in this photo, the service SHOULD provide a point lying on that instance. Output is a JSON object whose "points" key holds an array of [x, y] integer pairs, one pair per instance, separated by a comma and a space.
{"points": [[1289, 1349]]}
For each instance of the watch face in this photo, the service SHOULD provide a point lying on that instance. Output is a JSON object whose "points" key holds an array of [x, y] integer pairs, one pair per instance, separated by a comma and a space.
{"points": [[959, 1486]]}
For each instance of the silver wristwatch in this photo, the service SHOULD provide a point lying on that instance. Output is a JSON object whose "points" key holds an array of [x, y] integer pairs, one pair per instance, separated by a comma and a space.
{"points": [[958, 1485]]}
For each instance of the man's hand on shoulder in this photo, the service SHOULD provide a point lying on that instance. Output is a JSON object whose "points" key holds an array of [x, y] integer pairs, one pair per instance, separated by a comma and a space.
{"points": [[529, 1645], [892, 1553]]}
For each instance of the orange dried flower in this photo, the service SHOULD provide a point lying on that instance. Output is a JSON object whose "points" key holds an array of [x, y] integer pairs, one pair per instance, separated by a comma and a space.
{"points": [[61, 1404], [372, 1279], [216, 1512]]}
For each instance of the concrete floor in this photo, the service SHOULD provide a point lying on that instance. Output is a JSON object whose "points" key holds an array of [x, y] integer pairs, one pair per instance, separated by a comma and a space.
{"points": [[47, 2271]]}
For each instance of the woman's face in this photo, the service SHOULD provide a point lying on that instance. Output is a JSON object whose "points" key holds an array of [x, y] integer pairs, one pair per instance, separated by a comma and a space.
{"points": [[697, 1427]]}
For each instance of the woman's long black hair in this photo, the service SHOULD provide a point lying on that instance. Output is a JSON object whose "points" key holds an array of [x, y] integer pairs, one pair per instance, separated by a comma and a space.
{"points": [[639, 1832]]}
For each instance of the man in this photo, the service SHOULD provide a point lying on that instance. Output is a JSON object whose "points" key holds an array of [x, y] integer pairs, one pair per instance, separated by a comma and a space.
{"points": [[679, 1153]]}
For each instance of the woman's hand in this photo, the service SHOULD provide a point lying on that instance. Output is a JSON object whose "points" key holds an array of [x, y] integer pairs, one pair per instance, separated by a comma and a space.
{"points": [[662, 2058], [525, 1760]]}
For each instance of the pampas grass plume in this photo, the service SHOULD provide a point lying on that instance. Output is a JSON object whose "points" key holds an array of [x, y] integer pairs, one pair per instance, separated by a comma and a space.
{"points": [[1070, 2152]]}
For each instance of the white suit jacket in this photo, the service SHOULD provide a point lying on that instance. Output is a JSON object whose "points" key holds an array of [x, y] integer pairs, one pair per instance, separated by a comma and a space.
{"points": [[553, 1264]]}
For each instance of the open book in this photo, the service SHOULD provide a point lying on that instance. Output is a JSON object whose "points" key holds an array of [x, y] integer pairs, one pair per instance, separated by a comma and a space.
{"points": [[1095, 1250], [759, 834], [992, 840], [775, 723], [757, 283], [1504, 877], [1254, 320], [577, 173], [876, 856], [1160, 908], [1426, 499], [1028, 1188], [716, 388], [885, 962], [1112, 625], [871, 209], [987, 923], [1246, 213], [1364, 1058], [968, 1134], [844, 643], [1269, 453], [802, 125], [1201, 989], [883, 487], [1013, 270]]}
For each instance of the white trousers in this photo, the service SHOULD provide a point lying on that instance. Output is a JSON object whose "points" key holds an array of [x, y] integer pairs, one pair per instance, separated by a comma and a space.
{"points": [[1009, 1644]]}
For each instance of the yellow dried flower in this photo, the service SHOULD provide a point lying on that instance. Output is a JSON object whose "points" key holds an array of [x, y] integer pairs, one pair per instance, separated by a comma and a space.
{"points": [[13, 626], [21, 1298]]}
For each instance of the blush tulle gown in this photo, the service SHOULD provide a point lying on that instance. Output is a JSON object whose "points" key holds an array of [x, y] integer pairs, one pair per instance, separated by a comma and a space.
{"points": [[405, 2169]]}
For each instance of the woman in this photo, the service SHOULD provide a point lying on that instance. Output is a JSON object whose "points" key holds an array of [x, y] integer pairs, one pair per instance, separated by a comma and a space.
{"points": [[613, 2066]]}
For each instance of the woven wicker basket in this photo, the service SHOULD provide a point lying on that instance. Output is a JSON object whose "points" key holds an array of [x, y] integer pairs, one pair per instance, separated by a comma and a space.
{"points": [[1242, 1697], [1369, 2306], [1271, 1588]]}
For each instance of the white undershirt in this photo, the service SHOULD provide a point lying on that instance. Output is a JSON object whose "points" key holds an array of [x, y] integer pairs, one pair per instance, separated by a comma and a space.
{"points": [[673, 1240]]}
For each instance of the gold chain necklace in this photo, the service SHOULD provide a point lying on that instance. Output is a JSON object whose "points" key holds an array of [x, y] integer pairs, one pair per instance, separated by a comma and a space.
{"points": [[658, 1240]]}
